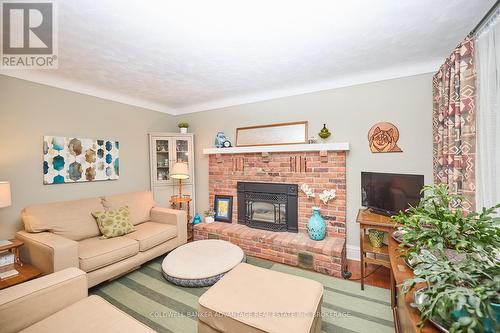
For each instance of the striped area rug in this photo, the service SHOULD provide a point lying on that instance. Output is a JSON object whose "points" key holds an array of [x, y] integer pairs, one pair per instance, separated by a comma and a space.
{"points": [[147, 296]]}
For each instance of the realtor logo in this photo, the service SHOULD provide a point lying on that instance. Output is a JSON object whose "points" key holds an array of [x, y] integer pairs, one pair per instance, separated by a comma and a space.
{"points": [[28, 35]]}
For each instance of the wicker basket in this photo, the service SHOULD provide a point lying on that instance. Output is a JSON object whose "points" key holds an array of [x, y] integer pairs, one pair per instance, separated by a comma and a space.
{"points": [[376, 237]]}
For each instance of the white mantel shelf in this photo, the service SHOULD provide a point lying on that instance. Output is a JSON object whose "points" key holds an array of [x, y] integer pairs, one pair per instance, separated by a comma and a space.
{"points": [[334, 146]]}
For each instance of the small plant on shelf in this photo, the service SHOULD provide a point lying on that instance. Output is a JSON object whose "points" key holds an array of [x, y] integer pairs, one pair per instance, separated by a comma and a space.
{"points": [[209, 215], [183, 126]]}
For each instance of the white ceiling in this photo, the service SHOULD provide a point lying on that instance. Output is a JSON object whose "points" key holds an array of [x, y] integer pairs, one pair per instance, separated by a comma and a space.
{"points": [[187, 56]]}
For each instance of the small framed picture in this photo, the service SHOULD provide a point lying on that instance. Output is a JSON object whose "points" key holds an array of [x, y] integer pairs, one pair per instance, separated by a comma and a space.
{"points": [[223, 206]]}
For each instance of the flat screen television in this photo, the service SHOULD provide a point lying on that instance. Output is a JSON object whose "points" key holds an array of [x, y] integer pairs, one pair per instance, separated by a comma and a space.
{"points": [[389, 193]]}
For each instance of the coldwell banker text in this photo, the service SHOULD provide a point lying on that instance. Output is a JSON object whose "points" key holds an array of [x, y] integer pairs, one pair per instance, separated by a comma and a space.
{"points": [[28, 35]]}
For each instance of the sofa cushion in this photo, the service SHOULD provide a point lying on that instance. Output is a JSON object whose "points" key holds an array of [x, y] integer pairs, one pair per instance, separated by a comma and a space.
{"points": [[95, 252], [139, 204], [70, 219], [114, 222], [150, 234], [92, 314]]}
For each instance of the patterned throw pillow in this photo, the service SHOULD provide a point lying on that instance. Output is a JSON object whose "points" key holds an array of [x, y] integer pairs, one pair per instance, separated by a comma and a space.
{"points": [[114, 223]]}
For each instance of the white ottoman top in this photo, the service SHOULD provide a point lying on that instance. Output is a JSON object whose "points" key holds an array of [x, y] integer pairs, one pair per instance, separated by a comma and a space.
{"points": [[202, 259]]}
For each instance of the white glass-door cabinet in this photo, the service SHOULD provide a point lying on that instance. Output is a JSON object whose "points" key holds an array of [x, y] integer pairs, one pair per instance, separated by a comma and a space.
{"points": [[165, 150]]}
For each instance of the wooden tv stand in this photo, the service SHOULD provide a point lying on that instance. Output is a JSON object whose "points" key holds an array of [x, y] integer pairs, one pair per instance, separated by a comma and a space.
{"points": [[379, 255], [406, 317]]}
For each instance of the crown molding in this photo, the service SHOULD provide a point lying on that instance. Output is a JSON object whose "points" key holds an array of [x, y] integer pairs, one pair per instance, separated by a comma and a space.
{"points": [[86, 89], [346, 81]]}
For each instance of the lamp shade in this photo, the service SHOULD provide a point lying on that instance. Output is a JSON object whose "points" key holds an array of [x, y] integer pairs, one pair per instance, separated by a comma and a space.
{"points": [[180, 170], [5, 199]]}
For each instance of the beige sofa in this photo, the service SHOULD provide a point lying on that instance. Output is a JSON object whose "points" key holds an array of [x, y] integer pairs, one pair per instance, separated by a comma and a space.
{"points": [[65, 234], [58, 303]]}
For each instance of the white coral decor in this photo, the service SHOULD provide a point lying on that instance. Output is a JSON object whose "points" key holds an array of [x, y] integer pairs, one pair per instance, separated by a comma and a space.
{"points": [[327, 195], [307, 191]]}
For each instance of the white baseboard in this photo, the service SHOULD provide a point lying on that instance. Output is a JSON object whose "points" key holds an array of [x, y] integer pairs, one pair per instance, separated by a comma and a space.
{"points": [[352, 252]]}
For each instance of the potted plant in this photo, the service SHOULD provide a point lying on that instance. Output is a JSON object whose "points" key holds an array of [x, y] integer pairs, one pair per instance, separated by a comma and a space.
{"points": [[436, 226], [183, 127], [316, 226], [457, 296], [209, 216], [456, 260]]}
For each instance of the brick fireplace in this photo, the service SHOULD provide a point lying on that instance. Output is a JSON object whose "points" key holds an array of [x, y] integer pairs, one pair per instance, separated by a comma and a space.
{"points": [[320, 169]]}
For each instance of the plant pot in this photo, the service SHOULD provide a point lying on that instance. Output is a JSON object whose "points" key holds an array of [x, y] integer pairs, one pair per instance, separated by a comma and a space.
{"points": [[376, 237], [209, 219], [316, 227], [183, 130], [488, 322], [488, 325]]}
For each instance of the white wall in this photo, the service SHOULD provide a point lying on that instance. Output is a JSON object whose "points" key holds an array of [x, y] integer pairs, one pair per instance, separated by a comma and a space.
{"points": [[349, 113], [28, 111]]}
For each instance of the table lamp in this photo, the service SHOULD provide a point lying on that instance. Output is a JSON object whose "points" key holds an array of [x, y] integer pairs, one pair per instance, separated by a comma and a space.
{"points": [[180, 171], [5, 201]]}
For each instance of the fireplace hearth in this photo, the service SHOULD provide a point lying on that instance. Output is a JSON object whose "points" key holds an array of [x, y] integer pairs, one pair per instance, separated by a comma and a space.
{"points": [[268, 206]]}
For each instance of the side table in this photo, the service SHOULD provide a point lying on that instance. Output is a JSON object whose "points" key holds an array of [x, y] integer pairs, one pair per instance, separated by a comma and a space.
{"points": [[184, 203], [26, 271]]}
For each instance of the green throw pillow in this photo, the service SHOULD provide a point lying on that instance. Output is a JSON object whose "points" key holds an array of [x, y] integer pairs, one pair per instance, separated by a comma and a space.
{"points": [[114, 223]]}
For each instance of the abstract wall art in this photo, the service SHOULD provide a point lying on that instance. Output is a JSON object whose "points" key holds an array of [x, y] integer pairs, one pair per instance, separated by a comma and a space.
{"points": [[73, 160]]}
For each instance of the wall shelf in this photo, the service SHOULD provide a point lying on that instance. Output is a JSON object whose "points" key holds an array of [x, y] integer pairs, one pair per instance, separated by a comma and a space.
{"points": [[334, 146]]}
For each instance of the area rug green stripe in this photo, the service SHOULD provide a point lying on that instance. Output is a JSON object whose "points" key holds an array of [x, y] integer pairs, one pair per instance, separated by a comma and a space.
{"points": [[374, 300], [138, 316], [147, 296]]}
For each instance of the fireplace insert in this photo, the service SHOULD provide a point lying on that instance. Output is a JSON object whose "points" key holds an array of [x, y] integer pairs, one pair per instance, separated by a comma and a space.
{"points": [[268, 206]]}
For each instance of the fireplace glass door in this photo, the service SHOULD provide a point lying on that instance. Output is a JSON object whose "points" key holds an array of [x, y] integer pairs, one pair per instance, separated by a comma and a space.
{"points": [[267, 212], [268, 206]]}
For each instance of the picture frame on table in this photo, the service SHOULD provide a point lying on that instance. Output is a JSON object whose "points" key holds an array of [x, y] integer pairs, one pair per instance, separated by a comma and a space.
{"points": [[223, 207]]}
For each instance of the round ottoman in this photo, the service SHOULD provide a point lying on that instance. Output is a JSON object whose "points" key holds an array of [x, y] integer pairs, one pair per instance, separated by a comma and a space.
{"points": [[201, 263]]}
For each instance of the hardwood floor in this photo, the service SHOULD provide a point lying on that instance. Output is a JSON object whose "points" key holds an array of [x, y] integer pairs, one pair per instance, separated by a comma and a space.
{"points": [[379, 278]]}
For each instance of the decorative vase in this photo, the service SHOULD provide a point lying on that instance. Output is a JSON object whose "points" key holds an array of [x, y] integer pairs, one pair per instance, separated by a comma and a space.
{"points": [[219, 140], [209, 219], [376, 237], [324, 133], [316, 227], [184, 130]]}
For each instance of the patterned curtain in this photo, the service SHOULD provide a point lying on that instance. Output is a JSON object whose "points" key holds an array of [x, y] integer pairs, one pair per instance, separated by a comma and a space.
{"points": [[454, 125]]}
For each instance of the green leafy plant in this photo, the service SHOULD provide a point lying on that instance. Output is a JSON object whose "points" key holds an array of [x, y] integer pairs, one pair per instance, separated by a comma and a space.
{"points": [[183, 125], [457, 258], [438, 223], [209, 213], [457, 294]]}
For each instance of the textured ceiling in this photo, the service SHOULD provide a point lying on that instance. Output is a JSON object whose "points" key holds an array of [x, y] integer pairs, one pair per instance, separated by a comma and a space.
{"points": [[186, 56]]}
